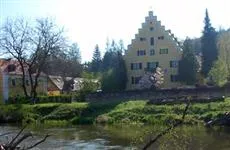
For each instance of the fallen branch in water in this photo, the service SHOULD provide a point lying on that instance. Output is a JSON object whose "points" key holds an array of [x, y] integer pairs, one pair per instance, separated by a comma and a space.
{"points": [[13, 144], [180, 122], [39, 142], [7, 133], [12, 141]]}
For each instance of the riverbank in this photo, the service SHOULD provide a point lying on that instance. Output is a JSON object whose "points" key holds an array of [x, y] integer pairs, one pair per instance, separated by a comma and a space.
{"points": [[130, 112]]}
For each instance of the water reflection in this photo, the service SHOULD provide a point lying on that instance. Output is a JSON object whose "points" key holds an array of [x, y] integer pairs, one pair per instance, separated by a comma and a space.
{"points": [[129, 137]]}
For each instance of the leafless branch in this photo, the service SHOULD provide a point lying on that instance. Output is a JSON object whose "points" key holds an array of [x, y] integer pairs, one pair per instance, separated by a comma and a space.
{"points": [[37, 143], [25, 136], [12, 141], [7, 133], [13, 144], [180, 122]]}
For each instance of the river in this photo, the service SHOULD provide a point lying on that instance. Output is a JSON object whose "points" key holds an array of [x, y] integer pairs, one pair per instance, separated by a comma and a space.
{"points": [[89, 137]]}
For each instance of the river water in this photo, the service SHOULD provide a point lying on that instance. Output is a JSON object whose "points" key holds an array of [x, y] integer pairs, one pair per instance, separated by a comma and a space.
{"points": [[125, 137]]}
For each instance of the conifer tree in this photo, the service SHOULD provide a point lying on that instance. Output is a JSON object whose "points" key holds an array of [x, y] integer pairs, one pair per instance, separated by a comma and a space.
{"points": [[96, 62], [208, 45], [114, 77], [188, 64]]}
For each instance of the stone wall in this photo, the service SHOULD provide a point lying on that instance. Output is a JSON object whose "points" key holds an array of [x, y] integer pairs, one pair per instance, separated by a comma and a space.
{"points": [[199, 93]]}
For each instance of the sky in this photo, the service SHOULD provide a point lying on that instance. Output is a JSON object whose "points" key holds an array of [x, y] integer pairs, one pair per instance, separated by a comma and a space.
{"points": [[91, 22]]}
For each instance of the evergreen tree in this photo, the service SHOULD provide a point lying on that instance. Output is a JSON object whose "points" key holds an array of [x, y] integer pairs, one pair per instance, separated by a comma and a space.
{"points": [[96, 62], [114, 77], [110, 56], [188, 64], [208, 45], [120, 72], [107, 61]]}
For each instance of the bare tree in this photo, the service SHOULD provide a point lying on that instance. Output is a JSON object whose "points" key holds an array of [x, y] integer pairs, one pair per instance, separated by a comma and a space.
{"points": [[47, 39], [31, 46], [14, 40]]}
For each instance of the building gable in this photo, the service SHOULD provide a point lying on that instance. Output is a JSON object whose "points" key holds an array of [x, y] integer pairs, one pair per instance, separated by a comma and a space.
{"points": [[153, 45]]}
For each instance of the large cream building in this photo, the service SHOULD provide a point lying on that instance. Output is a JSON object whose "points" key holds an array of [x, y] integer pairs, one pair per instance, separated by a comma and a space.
{"points": [[153, 46]]}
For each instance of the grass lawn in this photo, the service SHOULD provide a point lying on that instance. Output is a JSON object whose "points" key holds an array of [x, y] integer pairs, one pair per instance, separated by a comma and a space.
{"points": [[130, 112]]}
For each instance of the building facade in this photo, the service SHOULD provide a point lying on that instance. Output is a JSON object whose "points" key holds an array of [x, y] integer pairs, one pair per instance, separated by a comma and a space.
{"points": [[11, 81], [152, 47]]}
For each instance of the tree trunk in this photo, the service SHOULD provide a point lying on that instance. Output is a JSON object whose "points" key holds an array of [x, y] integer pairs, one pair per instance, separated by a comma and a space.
{"points": [[23, 79]]}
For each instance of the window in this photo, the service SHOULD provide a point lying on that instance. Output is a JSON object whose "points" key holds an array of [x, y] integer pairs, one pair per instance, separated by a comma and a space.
{"points": [[174, 64], [152, 41], [152, 65], [152, 52], [13, 82], [135, 80], [136, 66], [11, 68], [27, 82], [151, 28], [142, 39], [141, 53], [174, 78], [164, 51], [161, 38]]}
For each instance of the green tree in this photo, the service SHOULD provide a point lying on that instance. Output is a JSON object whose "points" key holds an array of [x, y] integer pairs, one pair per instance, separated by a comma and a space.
{"points": [[208, 45], [219, 73], [120, 72], [109, 59], [188, 64], [223, 45], [96, 61], [114, 77], [108, 82]]}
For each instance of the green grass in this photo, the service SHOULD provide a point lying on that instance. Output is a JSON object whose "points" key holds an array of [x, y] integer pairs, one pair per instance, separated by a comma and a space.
{"points": [[111, 112]]}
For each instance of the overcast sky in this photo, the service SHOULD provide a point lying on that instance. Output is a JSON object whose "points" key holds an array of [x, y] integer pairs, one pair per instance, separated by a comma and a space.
{"points": [[91, 22]]}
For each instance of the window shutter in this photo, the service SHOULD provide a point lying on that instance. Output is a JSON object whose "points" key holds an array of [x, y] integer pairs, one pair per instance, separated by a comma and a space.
{"points": [[170, 64], [131, 66]]}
